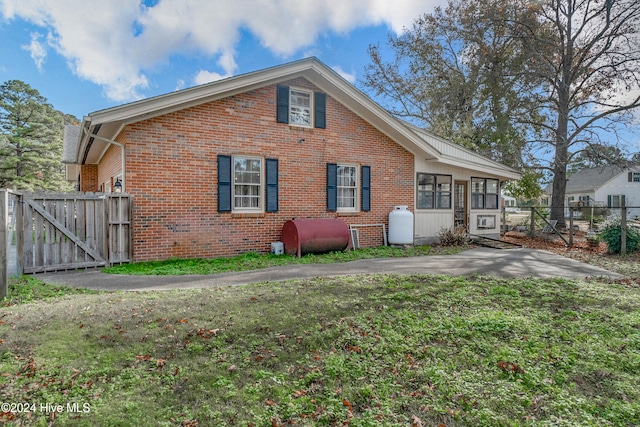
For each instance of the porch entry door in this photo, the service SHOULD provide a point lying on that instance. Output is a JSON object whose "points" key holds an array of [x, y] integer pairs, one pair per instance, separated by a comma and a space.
{"points": [[460, 204]]}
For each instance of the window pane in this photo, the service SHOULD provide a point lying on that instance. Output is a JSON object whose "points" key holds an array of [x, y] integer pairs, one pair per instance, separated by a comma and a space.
{"points": [[425, 200], [444, 183], [477, 185], [477, 201], [253, 165], [492, 186], [492, 201], [300, 99], [444, 200], [239, 164], [346, 176], [425, 182], [346, 198], [299, 116]]}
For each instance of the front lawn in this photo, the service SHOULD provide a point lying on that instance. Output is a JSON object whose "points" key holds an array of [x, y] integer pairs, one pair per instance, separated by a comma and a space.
{"points": [[366, 350]]}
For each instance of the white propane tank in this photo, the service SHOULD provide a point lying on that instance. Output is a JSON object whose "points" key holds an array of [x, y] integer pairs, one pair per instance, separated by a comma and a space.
{"points": [[400, 226]]}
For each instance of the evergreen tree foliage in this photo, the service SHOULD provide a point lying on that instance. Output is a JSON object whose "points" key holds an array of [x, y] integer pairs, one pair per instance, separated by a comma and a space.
{"points": [[31, 135]]}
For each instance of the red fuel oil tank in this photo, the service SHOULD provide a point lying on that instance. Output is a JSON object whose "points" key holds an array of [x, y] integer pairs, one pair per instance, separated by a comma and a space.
{"points": [[314, 235]]}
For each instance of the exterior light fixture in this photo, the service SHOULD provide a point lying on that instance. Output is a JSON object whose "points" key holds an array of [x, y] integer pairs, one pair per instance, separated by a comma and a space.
{"points": [[117, 186]]}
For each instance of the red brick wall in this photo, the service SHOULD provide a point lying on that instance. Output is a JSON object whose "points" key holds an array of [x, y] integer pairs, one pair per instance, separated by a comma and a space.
{"points": [[171, 164], [110, 166], [89, 178]]}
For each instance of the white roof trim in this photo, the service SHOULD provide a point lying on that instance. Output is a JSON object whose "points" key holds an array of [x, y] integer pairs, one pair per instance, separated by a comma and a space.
{"points": [[408, 136]]}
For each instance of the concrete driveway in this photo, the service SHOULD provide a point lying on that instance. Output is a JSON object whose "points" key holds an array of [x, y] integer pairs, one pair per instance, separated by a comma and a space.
{"points": [[521, 263]]}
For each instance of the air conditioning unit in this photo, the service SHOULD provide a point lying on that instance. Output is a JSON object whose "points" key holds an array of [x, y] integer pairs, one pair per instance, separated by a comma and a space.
{"points": [[486, 221]]}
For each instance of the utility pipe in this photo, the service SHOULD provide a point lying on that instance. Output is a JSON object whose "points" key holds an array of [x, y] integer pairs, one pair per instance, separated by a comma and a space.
{"points": [[110, 141]]}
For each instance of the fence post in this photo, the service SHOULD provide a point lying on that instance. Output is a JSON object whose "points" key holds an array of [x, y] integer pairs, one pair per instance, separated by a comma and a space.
{"points": [[18, 211], [105, 230], [623, 231], [532, 226], [4, 268], [571, 227]]}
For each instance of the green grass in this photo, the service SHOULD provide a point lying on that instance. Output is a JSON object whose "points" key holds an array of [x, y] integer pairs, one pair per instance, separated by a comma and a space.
{"points": [[253, 261], [364, 351], [27, 289]]}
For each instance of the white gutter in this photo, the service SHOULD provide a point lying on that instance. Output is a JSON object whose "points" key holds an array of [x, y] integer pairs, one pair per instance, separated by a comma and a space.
{"points": [[117, 144]]}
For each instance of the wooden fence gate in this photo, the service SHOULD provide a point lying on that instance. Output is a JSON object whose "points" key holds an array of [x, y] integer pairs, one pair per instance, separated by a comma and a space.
{"points": [[69, 231]]}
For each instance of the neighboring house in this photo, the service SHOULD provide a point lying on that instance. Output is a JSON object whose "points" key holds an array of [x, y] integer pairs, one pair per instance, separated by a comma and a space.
{"points": [[607, 186], [217, 169], [509, 203]]}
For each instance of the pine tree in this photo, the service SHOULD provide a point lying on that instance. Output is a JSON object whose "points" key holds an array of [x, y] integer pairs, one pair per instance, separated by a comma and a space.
{"points": [[31, 133]]}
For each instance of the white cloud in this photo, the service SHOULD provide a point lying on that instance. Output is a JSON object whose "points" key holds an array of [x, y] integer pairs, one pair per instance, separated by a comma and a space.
{"points": [[37, 50], [204, 76], [350, 77], [114, 43]]}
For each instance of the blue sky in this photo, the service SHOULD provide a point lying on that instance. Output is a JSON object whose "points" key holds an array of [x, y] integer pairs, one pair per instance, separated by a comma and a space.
{"points": [[87, 55]]}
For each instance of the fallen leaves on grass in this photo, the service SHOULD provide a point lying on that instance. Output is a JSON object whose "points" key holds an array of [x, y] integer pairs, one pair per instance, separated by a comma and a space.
{"points": [[511, 368]]}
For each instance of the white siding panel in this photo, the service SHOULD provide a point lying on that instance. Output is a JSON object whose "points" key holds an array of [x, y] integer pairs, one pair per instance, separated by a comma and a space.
{"points": [[429, 223], [621, 185]]}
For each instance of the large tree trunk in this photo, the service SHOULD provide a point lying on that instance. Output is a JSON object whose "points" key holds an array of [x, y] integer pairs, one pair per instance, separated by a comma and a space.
{"points": [[561, 158]]}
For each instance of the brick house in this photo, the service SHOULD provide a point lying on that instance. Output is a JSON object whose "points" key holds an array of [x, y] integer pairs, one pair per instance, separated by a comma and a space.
{"points": [[217, 169]]}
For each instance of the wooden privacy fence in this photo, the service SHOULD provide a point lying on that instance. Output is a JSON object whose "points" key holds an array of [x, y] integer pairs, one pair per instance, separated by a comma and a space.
{"points": [[69, 231]]}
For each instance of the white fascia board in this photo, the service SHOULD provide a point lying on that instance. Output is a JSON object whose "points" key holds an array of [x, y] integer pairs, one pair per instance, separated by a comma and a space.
{"points": [[175, 101], [498, 169], [82, 140], [311, 69], [360, 104]]}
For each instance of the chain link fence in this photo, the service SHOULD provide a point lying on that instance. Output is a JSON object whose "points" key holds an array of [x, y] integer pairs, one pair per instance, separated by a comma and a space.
{"points": [[535, 221]]}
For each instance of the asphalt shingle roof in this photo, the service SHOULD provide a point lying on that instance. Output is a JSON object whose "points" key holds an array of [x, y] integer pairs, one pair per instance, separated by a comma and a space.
{"points": [[591, 179]]}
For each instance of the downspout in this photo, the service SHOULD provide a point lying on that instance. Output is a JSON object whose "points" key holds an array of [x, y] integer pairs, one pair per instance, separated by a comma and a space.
{"points": [[117, 144]]}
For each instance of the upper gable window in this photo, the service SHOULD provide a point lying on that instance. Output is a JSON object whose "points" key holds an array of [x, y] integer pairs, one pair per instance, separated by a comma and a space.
{"points": [[301, 107]]}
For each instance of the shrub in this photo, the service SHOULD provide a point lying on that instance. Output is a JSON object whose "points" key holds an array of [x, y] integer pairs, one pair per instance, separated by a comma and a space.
{"points": [[453, 237], [611, 233]]}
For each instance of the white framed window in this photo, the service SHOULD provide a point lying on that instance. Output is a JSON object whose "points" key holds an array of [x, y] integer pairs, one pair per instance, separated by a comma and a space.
{"points": [[484, 193], [300, 111], [347, 186], [635, 176], [434, 191], [247, 183]]}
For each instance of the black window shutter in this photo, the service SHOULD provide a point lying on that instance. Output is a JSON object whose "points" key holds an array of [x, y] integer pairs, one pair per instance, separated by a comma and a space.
{"points": [[272, 185], [283, 104], [224, 183], [609, 201], [623, 201], [630, 176], [366, 188], [320, 101], [332, 187]]}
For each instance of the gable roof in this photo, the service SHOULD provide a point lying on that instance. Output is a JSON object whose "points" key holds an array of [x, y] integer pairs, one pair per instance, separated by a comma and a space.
{"points": [[99, 128], [591, 179]]}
